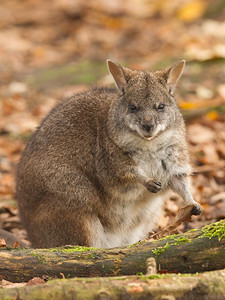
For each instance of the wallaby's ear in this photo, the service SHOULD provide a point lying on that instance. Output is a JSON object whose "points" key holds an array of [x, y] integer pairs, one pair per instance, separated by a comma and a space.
{"points": [[117, 73], [174, 74]]}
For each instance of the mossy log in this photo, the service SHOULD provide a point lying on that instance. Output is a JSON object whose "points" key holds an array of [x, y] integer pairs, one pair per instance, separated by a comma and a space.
{"points": [[209, 285], [195, 251]]}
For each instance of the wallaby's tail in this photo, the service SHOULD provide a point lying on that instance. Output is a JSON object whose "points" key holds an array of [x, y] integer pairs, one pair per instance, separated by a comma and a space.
{"points": [[11, 239]]}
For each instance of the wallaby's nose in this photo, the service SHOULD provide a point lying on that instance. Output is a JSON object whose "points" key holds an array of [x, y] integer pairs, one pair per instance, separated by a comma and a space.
{"points": [[147, 127]]}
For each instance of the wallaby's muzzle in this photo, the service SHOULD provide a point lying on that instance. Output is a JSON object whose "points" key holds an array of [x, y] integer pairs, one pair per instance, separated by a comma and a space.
{"points": [[147, 127]]}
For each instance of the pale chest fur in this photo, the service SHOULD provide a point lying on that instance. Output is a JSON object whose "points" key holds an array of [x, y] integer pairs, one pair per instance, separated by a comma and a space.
{"points": [[133, 222], [135, 209], [162, 158]]}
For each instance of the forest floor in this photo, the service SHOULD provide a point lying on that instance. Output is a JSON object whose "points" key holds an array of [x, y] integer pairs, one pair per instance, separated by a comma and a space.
{"points": [[48, 53]]}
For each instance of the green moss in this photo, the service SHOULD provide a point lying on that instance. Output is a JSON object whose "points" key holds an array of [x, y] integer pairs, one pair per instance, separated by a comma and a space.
{"points": [[156, 276], [181, 240], [214, 230], [136, 244], [160, 250], [188, 274], [167, 275], [153, 276], [175, 236], [178, 240], [92, 256], [139, 273], [132, 245], [172, 236], [9, 248], [192, 230], [76, 249], [40, 258]]}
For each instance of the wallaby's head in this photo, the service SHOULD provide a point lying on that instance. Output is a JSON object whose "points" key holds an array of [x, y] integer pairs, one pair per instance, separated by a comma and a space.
{"points": [[146, 105]]}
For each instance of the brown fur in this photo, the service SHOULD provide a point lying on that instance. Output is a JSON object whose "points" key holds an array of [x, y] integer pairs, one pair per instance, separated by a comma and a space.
{"points": [[88, 176]]}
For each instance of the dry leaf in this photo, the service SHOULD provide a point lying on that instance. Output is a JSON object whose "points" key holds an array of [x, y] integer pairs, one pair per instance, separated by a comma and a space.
{"points": [[35, 281], [212, 115], [221, 90], [8, 284], [5, 282], [87, 30], [218, 197], [210, 154], [203, 92], [191, 10], [189, 104], [184, 215], [2, 243], [16, 244], [200, 134]]}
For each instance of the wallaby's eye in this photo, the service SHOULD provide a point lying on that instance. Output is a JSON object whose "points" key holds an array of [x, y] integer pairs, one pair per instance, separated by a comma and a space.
{"points": [[132, 108], [161, 106]]}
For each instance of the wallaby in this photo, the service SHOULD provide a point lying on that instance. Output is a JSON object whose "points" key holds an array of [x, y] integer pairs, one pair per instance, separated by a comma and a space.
{"points": [[97, 170]]}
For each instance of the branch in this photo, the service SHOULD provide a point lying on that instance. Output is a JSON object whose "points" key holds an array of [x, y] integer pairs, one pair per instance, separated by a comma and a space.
{"points": [[209, 285], [195, 251]]}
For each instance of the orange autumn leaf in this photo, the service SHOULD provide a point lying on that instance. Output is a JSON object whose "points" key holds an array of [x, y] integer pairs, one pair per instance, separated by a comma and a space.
{"points": [[191, 10], [197, 104], [212, 115], [188, 105], [16, 244]]}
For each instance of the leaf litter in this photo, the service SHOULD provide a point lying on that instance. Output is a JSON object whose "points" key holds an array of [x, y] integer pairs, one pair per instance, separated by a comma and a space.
{"points": [[146, 35]]}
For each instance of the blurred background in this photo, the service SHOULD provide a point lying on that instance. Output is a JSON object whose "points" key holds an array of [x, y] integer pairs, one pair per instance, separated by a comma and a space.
{"points": [[51, 49]]}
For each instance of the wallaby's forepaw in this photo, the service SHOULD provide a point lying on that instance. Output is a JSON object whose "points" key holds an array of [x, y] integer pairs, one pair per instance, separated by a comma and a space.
{"points": [[153, 186], [196, 210]]}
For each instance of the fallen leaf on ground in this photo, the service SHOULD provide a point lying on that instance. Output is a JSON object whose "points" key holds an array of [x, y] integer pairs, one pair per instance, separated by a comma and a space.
{"points": [[2, 243], [198, 134], [9, 284], [221, 90], [35, 281], [5, 282], [47, 55], [16, 244], [184, 215], [191, 10]]}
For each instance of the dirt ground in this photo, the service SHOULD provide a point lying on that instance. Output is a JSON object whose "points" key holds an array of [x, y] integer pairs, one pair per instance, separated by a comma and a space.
{"points": [[49, 51]]}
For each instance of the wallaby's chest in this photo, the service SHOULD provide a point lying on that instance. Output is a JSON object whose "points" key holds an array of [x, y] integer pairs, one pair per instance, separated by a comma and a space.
{"points": [[159, 163]]}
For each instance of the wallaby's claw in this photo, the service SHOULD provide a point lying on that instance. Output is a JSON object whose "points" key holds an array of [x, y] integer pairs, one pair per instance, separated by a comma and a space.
{"points": [[196, 210], [154, 186]]}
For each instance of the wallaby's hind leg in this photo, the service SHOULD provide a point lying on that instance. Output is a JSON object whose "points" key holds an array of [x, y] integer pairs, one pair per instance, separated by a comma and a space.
{"points": [[58, 226], [61, 215]]}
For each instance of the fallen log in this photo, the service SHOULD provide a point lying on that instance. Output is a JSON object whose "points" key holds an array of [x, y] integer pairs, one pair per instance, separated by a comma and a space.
{"points": [[209, 285], [195, 251]]}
